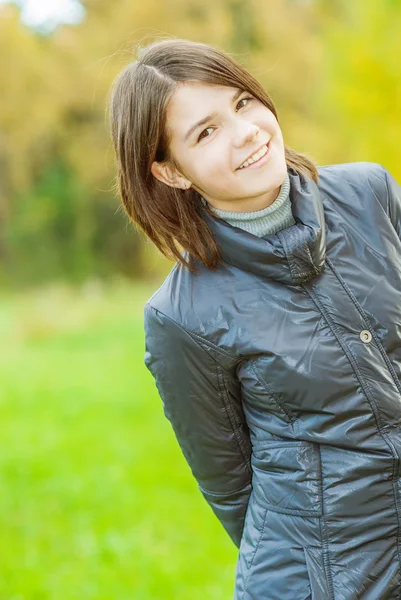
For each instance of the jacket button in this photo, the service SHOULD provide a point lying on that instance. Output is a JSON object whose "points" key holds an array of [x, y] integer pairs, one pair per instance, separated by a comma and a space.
{"points": [[365, 336]]}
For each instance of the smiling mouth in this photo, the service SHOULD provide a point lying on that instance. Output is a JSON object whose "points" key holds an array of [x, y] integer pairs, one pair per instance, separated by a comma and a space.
{"points": [[242, 168]]}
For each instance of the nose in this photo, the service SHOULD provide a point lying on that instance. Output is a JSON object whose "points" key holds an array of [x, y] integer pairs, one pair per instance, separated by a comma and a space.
{"points": [[245, 132]]}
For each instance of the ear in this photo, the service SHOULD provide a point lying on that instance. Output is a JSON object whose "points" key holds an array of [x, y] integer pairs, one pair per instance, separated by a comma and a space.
{"points": [[168, 175]]}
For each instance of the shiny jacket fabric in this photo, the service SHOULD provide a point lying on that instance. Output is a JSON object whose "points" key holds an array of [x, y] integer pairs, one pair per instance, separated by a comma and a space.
{"points": [[281, 376]]}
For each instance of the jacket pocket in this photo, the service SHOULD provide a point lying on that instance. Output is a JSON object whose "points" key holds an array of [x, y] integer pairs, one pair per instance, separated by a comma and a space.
{"points": [[287, 474]]}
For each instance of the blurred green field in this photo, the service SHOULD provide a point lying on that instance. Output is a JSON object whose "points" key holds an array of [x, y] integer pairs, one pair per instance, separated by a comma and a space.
{"points": [[96, 499]]}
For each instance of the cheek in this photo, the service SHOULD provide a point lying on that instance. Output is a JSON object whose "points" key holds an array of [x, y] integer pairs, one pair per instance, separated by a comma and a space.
{"points": [[268, 120], [214, 172], [212, 160], [278, 132]]}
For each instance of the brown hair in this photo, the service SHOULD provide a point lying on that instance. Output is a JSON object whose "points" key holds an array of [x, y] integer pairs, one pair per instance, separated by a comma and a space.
{"points": [[171, 217]]}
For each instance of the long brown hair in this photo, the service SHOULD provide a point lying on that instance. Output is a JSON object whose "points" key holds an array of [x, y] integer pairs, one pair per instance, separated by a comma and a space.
{"points": [[171, 217]]}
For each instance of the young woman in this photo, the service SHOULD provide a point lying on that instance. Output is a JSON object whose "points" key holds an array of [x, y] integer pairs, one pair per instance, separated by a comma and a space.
{"points": [[275, 340]]}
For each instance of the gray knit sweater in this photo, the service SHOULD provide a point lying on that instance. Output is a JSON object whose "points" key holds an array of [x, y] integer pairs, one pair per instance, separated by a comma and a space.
{"points": [[266, 221]]}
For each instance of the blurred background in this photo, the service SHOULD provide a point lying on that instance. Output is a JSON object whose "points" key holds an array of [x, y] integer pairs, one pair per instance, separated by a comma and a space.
{"points": [[96, 500]]}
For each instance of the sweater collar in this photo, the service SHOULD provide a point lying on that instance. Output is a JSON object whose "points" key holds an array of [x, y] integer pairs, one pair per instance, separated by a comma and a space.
{"points": [[294, 254], [253, 215]]}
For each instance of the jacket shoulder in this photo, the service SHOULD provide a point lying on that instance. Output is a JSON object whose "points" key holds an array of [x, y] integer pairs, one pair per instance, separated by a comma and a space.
{"points": [[354, 172], [367, 178], [159, 308], [180, 310], [170, 298]]}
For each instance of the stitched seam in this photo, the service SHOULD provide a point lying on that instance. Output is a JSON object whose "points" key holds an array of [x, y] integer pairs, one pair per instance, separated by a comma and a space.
{"points": [[236, 422], [313, 595], [323, 533], [209, 343], [254, 554], [272, 395], [223, 494], [195, 335], [267, 444], [298, 512], [243, 443], [366, 319]]}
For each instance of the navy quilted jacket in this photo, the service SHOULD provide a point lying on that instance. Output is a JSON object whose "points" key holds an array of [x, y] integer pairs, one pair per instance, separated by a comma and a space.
{"points": [[281, 376]]}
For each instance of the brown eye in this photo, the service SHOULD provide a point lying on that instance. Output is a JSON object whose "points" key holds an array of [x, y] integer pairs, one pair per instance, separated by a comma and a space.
{"points": [[246, 98], [200, 136]]}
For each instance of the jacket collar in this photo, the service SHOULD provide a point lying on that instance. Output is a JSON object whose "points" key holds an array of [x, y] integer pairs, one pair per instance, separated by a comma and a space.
{"points": [[294, 254]]}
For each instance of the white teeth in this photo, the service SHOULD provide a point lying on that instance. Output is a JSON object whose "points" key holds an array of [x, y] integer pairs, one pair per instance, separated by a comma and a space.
{"points": [[254, 157]]}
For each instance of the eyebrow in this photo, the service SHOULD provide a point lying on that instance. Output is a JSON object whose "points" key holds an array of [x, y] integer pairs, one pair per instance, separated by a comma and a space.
{"points": [[209, 117]]}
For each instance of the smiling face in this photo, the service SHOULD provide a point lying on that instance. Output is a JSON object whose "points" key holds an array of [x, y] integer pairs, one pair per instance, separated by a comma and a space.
{"points": [[233, 125]]}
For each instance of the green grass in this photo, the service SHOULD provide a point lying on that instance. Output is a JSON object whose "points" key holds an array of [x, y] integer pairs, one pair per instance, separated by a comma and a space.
{"points": [[96, 499]]}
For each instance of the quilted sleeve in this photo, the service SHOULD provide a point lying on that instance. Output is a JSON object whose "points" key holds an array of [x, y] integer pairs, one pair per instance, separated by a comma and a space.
{"points": [[202, 402], [394, 201]]}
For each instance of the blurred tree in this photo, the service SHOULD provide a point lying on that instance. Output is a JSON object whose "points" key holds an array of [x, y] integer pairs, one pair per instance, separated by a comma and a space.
{"points": [[331, 68], [243, 29]]}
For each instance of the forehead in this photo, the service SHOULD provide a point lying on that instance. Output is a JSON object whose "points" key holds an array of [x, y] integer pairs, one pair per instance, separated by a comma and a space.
{"points": [[193, 101]]}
